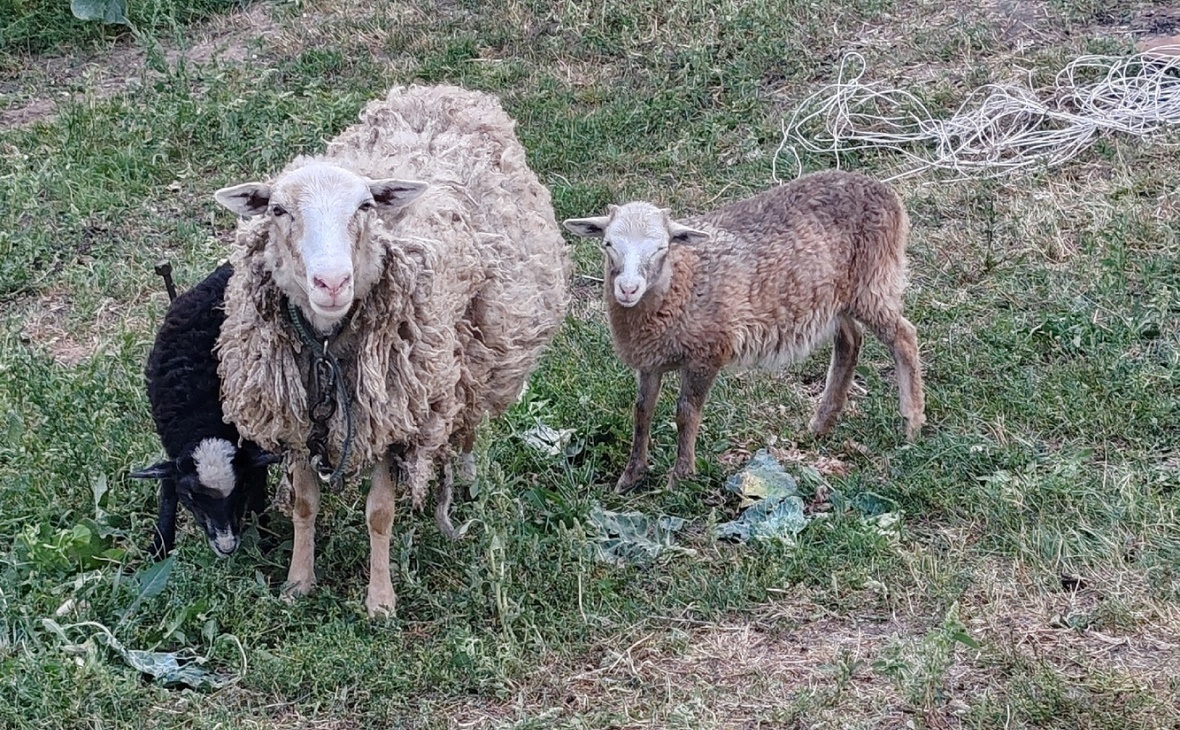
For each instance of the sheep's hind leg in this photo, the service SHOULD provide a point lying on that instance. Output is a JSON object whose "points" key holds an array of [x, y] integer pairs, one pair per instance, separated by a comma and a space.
{"points": [[305, 507], [379, 507], [694, 388], [845, 351], [902, 340], [443, 497], [647, 393], [467, 473]]}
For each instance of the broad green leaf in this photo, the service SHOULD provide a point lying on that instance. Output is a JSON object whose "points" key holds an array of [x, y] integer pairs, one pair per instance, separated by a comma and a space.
{"points": [[632, 537], [107, 11], [153, 578], [762, 478], [775, 518], [100, 489]]}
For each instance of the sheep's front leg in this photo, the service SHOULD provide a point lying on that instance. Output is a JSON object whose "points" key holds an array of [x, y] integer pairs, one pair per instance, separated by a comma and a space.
{"points": [[694, 388], [379, 515], [165, 538], [305, 507], [647, 393]]}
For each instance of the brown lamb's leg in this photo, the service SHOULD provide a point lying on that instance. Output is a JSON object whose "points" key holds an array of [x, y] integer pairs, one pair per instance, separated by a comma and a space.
{"points": [[845, 351], [647, 393], [694, 388], [902, 340], [379, 515], [305, 506]]}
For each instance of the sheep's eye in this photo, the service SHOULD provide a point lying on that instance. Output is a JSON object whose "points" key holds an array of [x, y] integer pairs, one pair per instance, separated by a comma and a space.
{"points": [[366, 206], [606, 244], [277, 210]]}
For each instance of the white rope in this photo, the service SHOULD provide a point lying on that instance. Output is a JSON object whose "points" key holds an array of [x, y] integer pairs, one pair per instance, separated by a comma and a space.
{"points": [[998, 129]]}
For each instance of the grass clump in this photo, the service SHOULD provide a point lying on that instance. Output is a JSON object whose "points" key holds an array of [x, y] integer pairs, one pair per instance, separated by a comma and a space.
{"points": [[53, 27]]}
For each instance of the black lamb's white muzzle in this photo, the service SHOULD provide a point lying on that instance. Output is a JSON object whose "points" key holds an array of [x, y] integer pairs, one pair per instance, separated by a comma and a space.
{"points": [[224, 543]]}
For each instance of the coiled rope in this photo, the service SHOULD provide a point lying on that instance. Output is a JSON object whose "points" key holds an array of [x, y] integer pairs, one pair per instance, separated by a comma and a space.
{"points": [[998, 129]]}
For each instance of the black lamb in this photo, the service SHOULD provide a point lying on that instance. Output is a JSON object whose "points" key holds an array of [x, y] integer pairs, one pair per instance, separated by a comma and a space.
{"points": [[210, 469]]}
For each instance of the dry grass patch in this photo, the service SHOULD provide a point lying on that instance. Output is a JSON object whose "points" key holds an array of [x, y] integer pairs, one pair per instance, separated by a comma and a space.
{"points": [[44, 83], [792, 655], [963, 226], [52, 324], [586, 299], [794, 662]]}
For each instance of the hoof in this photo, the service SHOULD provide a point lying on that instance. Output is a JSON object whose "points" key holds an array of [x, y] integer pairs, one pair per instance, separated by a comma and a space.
{"points": [[678, 475], [380, 606], [913, 431], [629, 481], [447, 528], [819, 426], [293, 590]]}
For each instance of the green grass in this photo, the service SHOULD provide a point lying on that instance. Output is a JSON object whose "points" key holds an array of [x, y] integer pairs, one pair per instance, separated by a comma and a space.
{"points": [[1032, 580], [49, 26]]}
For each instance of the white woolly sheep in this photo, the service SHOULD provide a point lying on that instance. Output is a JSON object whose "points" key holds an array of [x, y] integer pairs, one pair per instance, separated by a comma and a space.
{"points": [[436, 295], [760, 281], [210, 470]]}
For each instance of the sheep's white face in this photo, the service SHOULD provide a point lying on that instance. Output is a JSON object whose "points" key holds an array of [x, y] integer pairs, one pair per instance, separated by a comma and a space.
{"points": [[636, 238], [319, 247]]}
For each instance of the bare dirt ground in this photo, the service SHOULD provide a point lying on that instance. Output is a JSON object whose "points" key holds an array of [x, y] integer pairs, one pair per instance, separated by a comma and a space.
{"points": [[38, 87], [796, 661]]}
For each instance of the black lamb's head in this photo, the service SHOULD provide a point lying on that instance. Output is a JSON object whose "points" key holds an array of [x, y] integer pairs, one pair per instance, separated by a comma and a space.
{"points": [[216, 481]]}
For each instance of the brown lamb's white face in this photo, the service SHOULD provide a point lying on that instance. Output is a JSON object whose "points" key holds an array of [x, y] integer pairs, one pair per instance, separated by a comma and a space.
{"points": [[636, 238], [319, 249]]}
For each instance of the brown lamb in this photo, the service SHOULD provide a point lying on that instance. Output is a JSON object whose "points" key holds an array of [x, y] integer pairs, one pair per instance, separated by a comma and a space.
{"points": [[758, 282]]}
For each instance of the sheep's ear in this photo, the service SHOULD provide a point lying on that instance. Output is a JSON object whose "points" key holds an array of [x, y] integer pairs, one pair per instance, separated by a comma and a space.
{"points": [[587, 227], [683, 234], [396, 193], [162, 470], [258, 457], [247, 199]]}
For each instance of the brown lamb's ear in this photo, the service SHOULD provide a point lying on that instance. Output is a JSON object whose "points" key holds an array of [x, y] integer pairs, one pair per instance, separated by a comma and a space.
{"points": [[678, 233], [248, 199], [587, 227]]}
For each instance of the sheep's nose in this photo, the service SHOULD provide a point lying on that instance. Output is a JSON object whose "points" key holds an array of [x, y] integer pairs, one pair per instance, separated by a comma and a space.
{"points": [[224, 543], [628, 289], [333, 284]]}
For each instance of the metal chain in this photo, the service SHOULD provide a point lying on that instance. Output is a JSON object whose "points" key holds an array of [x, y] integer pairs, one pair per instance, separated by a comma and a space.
{"points": [[326, 385]]}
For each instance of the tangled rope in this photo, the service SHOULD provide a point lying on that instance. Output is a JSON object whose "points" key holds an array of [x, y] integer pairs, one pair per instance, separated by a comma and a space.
{"points": [[998, 129]]}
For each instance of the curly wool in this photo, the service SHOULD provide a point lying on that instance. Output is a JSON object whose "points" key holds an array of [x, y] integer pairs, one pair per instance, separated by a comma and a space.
{"points": [[181, 371], [474, 286]]}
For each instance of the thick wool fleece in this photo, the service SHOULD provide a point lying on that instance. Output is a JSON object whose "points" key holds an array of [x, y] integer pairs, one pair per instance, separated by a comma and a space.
{"points": [[181, 371], [474, 285]]}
